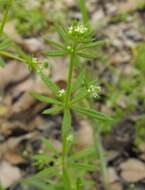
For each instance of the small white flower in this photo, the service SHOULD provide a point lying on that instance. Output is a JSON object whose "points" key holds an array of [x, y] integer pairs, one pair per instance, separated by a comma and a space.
{"points": [[61, 92], [94, 90], [81, 29], [78, 29]]}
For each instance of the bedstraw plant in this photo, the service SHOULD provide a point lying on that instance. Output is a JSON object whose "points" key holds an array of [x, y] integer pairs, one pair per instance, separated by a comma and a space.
{"points": [[67, 169]]}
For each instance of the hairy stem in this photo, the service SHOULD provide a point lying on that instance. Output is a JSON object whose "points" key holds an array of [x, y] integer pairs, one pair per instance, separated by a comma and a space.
{"points": [[66, 109], [68, 90]]}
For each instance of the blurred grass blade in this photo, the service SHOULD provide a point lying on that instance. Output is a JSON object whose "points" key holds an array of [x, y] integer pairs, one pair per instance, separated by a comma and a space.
{"points": [[51, 85], [56, 53], [80, 95], [66, 123], [88, 152], [84, 167], [45, 173], [40, 176], [97, 44], [52, 111], [79, 80], [41, 185], [86, 54], [84, 12], [45, 99], [62, 32], [10, 55], [55, 44], [5, 44], [49, 145], [41, 160], [92, 113]]}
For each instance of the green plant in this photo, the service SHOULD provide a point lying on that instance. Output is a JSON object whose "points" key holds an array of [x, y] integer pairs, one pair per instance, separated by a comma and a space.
{"points": [[67, 169]]}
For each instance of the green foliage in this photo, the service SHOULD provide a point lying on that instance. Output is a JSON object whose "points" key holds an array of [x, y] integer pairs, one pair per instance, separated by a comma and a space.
{"points": [[65, 169], [30, 21], [5, 43], [139, 56], [77, 42], [5, 15], [69, 167], [92, 113], [49, 83]]}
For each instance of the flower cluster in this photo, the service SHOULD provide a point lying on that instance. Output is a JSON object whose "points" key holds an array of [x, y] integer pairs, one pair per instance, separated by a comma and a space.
{"points": [[94, 90], [78, 29], [61, 92]]}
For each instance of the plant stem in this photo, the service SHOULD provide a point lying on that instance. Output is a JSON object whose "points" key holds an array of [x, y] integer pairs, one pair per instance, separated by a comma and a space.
{"points": [[5, 16], [66, 109], [68, 90]]}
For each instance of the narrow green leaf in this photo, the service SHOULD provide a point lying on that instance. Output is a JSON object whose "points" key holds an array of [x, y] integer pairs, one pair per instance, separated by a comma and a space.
{"points": [[92, 113], [62, 32], [51, 171], [40, 176], [54, 110], [49, 145], [84, 167], [87, 55], [79, 80], [56, 53], [93, 45], [10, 55], [45, 99], [41, 160], [80, 95], [5, 44], [55, 44], [66, 123], [77, 62], [41, 185], [51, 85], [88, 152]]}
